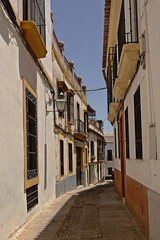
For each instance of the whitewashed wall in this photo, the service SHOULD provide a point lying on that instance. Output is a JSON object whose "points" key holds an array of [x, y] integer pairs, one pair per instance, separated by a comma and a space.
{"points": [[15, 64]]}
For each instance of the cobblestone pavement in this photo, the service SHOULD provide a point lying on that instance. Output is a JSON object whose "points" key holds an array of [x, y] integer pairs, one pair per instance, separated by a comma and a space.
{"points": [[96, 213]]}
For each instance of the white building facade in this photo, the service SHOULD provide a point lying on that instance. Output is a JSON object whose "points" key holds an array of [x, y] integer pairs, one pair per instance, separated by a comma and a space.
{"points": [[71, 131], [27, 143], [96, 152], [133, 105], [109, 154]]}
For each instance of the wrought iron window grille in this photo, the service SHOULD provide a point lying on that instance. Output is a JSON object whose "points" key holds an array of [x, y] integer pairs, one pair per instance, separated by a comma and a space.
{"points": [[34, 10]]}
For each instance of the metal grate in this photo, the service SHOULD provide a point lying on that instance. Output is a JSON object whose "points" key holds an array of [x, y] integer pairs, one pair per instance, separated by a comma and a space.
{"points": [[31, 125], [138, 127], [70, 157], [32, 197], [35, 10], [62, 157]]}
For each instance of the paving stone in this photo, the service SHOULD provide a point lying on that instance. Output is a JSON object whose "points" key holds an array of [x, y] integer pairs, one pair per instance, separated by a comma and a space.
{"points": [[95, 213]]}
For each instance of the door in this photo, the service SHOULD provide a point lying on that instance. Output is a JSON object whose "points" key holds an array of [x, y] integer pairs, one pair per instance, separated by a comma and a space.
{"points": [[78, 155]]}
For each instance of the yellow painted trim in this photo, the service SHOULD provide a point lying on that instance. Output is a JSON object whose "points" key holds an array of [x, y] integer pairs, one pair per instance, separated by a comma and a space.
{"points": [[70, 123], [80, 136], [46, 73], [113, 24], [34, 38], [66, 75], [86, 111], [32, 182]]}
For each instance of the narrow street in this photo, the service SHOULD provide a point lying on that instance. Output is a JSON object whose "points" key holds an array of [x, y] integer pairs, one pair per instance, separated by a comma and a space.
{"points": [[94, 213]]}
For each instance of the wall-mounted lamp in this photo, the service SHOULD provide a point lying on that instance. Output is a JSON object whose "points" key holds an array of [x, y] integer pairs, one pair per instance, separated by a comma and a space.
{"points": [[60, 103]]}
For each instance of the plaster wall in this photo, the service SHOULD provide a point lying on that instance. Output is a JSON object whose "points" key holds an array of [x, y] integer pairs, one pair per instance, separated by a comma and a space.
{"points": [[92, 137], [15, 64], [109, 146]]}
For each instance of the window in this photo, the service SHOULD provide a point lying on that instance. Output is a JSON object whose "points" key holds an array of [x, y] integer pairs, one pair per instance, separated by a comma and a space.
{"points": [[32, 197], [128, 24], [109, 171], [109, 155], [92, 148], [35, 10], [70, 157], [137, 118], [61, 158], [31, 122], [119, 152], [127, 133], [115, 143], [85, 122], [30, 135], [70, 107]]}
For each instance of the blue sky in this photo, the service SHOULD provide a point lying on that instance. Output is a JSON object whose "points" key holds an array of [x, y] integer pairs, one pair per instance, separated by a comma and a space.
{"points": [[79, 24]]}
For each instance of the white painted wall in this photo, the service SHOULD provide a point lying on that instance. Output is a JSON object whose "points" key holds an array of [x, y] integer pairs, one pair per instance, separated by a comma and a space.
{"points": [[15, 64], [109, 138]]}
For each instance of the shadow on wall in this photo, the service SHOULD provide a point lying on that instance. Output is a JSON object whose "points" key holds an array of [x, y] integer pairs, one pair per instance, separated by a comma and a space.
{"points": [[27, 67]]}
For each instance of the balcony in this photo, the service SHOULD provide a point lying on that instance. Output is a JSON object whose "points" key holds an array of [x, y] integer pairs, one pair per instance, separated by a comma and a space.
{"points": [[112, 111], [80, 130], [111, 73], [126, 53], [126, 69], [34, 38], [34, 27]]}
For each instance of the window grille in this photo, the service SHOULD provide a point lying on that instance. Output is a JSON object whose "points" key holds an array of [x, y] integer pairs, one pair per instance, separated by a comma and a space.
{"points": [[92, 148], [86, 122], [35, 10], [128, 33], [70, 107], [32, 197], [127, 133], [109, 171], [61, 158], [138, 128], [115, 143], [109, 155], [119, 144], [31, 132], [70, 157]]}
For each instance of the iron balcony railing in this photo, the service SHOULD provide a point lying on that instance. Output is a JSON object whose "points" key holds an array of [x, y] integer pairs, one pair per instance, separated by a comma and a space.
{"points": [[35, 10], [131, 34], [124, 37], [111, 73], [101, 156], [80, 126]]}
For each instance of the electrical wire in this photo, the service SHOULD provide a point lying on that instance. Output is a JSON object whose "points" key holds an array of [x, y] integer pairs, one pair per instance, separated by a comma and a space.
{"points": [[91, 90]]}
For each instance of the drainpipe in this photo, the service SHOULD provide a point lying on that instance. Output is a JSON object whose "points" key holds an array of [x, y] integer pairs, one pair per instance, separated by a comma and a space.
{"points": [[152, 127]]}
